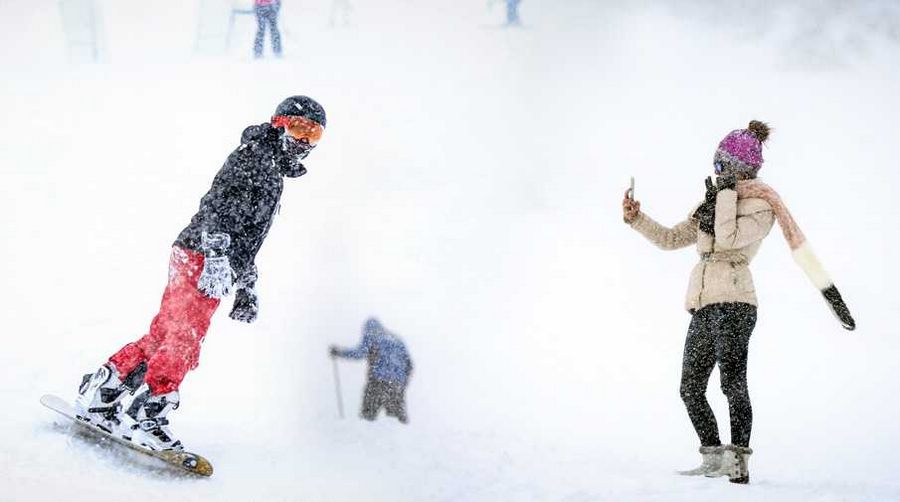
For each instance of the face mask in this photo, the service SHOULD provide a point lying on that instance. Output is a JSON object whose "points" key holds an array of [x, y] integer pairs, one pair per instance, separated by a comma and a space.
{"points": [[294, 148], [295, 151]]}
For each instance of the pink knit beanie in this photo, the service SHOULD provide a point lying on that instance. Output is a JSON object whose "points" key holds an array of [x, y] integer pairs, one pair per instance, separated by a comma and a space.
{"points": [[740, 153]]}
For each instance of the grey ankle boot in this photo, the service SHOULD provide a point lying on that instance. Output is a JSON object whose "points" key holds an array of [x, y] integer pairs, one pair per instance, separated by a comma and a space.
{"points": [[735, 460], [740, 468], [712, 461]]}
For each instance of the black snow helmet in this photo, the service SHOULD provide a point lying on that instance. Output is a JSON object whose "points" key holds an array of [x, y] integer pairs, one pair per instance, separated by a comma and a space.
{"points": [[302, 106]]}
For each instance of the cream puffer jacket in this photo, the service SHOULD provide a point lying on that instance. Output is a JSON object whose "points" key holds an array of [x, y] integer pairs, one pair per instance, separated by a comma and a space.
{"points": [[723, 273]]}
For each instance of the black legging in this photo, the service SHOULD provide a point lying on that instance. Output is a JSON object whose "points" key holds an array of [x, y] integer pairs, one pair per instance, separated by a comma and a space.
{"points": [[719, 333], [267, 15]]}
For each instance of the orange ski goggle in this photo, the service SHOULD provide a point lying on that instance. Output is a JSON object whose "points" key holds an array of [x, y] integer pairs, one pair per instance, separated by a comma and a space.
{"points": [[300, 128]]}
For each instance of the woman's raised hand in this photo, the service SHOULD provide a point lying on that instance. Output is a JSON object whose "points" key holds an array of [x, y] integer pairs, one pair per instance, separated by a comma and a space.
{"points": [[630, 208]]}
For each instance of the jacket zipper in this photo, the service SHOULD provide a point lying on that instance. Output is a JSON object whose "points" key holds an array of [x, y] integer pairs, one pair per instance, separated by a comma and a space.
{"points": [[702, 286], [712, 247]]}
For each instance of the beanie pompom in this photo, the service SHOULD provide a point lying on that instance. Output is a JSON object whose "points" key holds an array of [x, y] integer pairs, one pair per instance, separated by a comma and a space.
{"points": [[759, 129]]}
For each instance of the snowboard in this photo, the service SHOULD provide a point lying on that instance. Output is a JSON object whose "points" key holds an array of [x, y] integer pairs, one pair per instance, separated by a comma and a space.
{"points": [[187, 461]]}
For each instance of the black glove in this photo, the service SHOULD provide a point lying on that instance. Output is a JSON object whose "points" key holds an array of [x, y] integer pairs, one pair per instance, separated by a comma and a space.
{"points": [[246, 306], [726, 182], [332, 351], [706, 213], [838, 307]]}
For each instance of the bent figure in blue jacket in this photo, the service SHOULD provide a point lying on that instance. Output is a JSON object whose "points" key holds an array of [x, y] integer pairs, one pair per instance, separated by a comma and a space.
{"points": [[389, 370]]}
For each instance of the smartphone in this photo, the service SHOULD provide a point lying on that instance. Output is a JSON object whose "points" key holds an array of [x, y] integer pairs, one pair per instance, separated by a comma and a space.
{"points": [[631, 189]]}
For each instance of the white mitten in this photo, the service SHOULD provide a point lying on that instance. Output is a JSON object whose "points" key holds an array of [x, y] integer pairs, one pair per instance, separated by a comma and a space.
{"points": [[217, 278]]}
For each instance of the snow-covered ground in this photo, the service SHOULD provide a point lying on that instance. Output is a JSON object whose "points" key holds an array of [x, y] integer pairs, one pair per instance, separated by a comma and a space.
{"points": [[467, 192]]}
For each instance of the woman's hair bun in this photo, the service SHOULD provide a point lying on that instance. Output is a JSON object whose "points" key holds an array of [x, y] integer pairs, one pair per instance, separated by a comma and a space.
{"points": [[759, 129]]}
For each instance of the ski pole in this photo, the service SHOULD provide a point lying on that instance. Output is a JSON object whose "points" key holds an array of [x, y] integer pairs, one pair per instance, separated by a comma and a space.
{"points": [[337, 387]]}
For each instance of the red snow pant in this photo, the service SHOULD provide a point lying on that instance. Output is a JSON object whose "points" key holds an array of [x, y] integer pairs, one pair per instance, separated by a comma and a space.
{"points": [[172, 347]]}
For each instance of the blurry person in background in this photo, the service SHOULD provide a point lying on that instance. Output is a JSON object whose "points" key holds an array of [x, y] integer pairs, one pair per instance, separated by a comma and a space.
{"points": [[389, 370], [512, 13], [267, 15], [340, 10]]}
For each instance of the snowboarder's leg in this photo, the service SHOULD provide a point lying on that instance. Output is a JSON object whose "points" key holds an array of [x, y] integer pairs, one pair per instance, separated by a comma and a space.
{"points": [[182, 324], [130, 356], [732, 340], [698, 363], [184, 320], [260, 31], [100, 393], [172, 346]]}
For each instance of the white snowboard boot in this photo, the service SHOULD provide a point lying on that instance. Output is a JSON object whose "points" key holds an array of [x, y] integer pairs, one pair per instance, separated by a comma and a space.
{"points": [[99, 397], [102, 395], [146, 424], [735, 464], [712, 461]]}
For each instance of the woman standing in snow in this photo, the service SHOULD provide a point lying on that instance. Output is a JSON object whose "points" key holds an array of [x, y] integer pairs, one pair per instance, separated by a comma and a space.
{"points": [[728, 227]]}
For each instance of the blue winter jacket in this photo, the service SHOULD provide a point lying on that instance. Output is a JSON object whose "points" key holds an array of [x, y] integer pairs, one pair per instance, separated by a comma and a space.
{"points": [[388, 358]]}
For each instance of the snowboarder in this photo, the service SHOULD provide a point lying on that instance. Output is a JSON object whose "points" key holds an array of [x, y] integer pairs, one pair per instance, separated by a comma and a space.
{"points": [[728, 229], [212, 256], [267, 15], [389, 370]]}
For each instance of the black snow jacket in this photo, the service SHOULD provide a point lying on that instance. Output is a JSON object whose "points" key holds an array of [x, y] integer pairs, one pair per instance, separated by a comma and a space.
{"points": [[243, 199]]}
